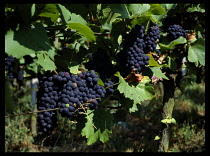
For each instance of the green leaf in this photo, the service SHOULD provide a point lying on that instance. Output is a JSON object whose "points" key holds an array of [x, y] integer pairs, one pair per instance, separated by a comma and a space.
{"points": [[100, 82], [168, 6], [196, 51], [156, 9], [142, 20], [77, 19], [157, 138], [133, 108], [12, 45], [45, 62], [152, 62], [68, 17], [137, 9], [74, 67], [106, 15], [65, 13], [21, 43], [158, 73], [121, 9], [103, 121], [83, 29], [33, 9], [51, 11], [143, 91], [172, 64], [173, 121], [171, 45]]}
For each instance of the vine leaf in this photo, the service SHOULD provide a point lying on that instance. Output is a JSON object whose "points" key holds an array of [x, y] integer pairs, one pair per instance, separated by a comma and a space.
{"points": [[158, 73], [68, 17], [50, 11], [196, 52], [142, 91], [21, 43], [45, 62], [156, 9], [171, 45], [152, 61], [136, 9], [83, 30], [103, 121]]}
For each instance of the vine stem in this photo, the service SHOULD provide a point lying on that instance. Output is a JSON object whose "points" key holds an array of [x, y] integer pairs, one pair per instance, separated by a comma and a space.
{"points": [[88, 117], [112, 85], [30, 112]]}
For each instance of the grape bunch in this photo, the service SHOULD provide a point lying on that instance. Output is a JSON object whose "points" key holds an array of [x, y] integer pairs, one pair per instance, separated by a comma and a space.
{"points": [[81, 91], [10, 64], [10, 67], [133, 57], [151, 38], [47, 99], [109, 87], [175, 31], [72, 94]]}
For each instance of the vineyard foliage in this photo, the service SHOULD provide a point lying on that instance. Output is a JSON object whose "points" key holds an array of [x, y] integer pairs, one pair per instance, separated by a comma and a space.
{"points": [[50, 38]]}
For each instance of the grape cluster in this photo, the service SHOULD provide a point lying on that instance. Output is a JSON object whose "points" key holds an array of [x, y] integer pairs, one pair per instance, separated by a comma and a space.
{"points": [[68, 92], [47, 99], [175, 31], [81, 91], [133, 56], [10, 64], [109, 87], [10, 67], [151, 38]]}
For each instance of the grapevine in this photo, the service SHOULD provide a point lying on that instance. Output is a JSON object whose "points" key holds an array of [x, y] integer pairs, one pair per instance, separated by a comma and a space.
{"points": [[96, 62]]}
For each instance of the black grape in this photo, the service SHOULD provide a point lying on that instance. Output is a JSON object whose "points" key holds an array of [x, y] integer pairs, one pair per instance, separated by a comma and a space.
{"points": [[175, 31], [134, 47], [150, 39], [46, 101], [10, 64]]}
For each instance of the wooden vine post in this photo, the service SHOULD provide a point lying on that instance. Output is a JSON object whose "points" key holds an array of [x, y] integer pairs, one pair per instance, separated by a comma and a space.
{"points": [[168, 105]]}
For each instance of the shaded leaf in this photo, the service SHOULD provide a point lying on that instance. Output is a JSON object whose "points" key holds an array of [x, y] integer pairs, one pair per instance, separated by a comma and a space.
{"points": [[21, 43], [103, 121]]}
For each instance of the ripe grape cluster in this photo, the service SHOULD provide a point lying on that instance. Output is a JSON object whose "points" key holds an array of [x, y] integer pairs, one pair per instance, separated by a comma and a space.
{"points": [[72, 94], [109, 87], [135, 46], [10, 64], [175, 31], [47, 99], [10, 67], [81, 91], [151, 38]]}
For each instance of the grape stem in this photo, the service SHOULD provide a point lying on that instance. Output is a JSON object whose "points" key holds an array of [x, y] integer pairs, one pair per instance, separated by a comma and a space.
{"points": [[112, 85], [88, 117]]}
